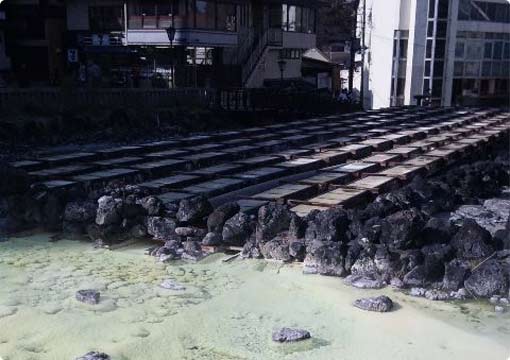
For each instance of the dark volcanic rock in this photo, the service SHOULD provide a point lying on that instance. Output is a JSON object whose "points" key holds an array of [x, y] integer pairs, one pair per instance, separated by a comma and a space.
{"points": [[237, 230], [108, 211], [380, 304], [297, 250], [13, 181], [251, 251], [220, 215], [491, 278], [94, 355], [212, 239], [328, 225], [417, 277], [290, 335], [297, 227], [324, 258], [472, 241], [438, 230], [161, 228], [273, 218], [456, 271], [82, 212], [151, 204], [277, 249], [194, 210], [365, 281], [402, 229], [90, 297], [192, 251]]}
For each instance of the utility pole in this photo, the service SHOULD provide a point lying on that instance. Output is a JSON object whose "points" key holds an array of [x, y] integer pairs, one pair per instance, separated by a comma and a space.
{"points": [[363, 30]]}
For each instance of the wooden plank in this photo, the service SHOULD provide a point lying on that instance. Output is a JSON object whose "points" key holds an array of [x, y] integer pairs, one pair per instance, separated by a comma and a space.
{"points": [[250, 206], [404, 151], [261, 174], [357, 150], [123, 161], [383, 160], [285, 192], [343, 196], [173, 197], [61, 171], [404, 172], [431, 163], [170, 182], [378, 144], [161, 166], [27, 165], [257, 161], [374, 183], [324, 178], [301, 164], [355, 168], [331, 157]]}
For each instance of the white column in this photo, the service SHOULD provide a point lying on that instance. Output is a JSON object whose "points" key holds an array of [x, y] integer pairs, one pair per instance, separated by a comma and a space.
{"points": [[451, 40]]}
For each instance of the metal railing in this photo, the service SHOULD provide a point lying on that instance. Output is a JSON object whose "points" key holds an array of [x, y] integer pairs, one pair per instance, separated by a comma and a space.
{"points": [[57, 98], [271, 37]]}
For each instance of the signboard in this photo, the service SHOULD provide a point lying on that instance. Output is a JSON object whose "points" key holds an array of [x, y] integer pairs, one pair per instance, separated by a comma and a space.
{"points": [[72, 55]]}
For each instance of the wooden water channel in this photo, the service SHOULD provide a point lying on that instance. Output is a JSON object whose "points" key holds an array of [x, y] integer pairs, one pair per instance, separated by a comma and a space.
{"points": [[341, 160]]}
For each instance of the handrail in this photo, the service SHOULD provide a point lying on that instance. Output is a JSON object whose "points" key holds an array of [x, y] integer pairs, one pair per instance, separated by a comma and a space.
{"points": [[271, 37]]}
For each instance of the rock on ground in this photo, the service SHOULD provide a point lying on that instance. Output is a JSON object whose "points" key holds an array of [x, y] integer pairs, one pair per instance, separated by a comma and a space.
{"points": [[324, 258], [220, 215], [161, 228], [276, 249], [491, 278], [290, 335], [472, 241], [170, 284], [380, 303], [194, 210], [108, 210], [272, 219], [237, 230], [94, 355], [88, 296], [328, 225], [364, 282]]}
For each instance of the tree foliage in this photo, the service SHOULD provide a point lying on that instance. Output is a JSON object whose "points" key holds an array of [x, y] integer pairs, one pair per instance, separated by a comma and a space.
{"points": [[336, 21]]}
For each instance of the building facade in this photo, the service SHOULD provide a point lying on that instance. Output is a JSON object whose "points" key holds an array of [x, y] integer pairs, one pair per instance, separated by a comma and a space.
{"points": [[217, 43], [451, 51]]}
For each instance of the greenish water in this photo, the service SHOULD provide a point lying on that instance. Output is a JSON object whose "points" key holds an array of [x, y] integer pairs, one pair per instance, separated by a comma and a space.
{"points": [[228, 311]]}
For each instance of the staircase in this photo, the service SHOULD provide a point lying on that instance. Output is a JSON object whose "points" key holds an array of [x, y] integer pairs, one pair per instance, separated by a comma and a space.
{"points": [[253, 53]]}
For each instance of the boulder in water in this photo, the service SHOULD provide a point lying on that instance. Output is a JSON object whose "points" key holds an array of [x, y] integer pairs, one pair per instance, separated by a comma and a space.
{"points": [[290, 335], [88, 296], [380, 304]]}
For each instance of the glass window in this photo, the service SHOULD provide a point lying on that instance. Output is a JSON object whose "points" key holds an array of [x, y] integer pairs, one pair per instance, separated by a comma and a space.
{"points": [[227, 17], [440, 49], [205, 14], [427, 67], [275, 16], [437, 87], [430, 28], [487, 50], [426, 86], [498, 50], [506, 52], [403, 48], [438, 68], [442, 9], [486, 68], [285, 17], [105, 18], [441, 29], [458, 68], [304, 23], [496, 69], [474, 51], [429, 49], [459, 50], [432, 8], [299, 23], [471, 68], [292, 18]]}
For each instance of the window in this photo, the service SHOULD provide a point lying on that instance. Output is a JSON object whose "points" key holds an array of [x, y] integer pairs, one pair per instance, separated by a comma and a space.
{"points": [[151, 15], [205, 14], [442, 9], [227, 17], [427, 67], [487, 50], [292, 18], [498, 50], [105, 18], [199, 56], [432, 8], [471, 68], [285, 17], [429, 49], [276, 17], [459, 50], [441, 29], [439, 49], [430, 28], [438, 68], [297, 18], [458, 68], [437, 87], [291, 54], [486, 68]]}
